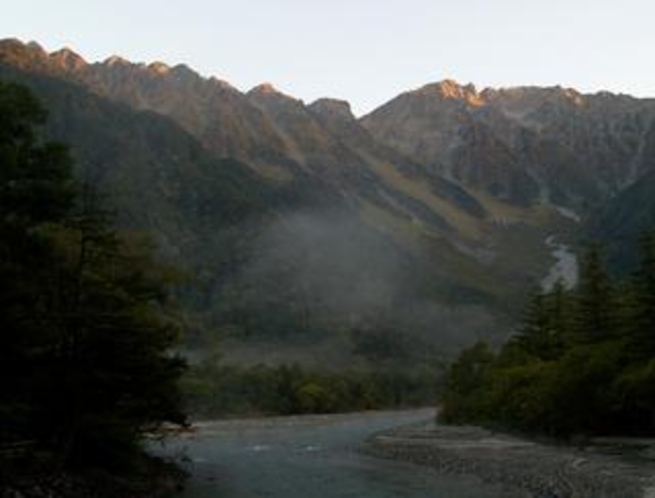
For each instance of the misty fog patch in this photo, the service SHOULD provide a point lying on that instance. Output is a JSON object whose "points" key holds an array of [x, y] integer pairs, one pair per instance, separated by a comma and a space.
{"points": [[326, 275]]}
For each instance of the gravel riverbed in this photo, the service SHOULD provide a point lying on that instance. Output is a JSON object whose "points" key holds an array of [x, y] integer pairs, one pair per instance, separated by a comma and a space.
{"points": [[615, 469]]}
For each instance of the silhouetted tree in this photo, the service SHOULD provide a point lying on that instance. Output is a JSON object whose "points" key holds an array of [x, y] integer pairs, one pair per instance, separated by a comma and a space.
{"points": [[594, 311], [85, 366], [641, 333]]}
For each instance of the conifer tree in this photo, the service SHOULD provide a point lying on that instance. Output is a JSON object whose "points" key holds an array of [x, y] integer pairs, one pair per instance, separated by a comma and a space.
{"points": [[534, 331], [36, 190], [544, 329], [593, 319], [559, 306], [641, 330]]}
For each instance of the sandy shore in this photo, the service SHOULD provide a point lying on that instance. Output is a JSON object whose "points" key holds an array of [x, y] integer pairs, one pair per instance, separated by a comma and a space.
{"points": [[613, 469]]}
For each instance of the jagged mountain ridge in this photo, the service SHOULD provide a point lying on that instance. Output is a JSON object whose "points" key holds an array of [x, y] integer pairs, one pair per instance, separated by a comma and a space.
{"points": [[277, 135], [522, 145], [155, 176], [525, 144]]}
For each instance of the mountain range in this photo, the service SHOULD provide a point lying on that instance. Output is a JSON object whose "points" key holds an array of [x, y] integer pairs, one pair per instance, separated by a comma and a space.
{"points": [[306, 230]]}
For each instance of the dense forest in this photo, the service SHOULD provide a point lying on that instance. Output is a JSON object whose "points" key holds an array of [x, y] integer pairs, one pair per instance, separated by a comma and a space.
{"points": [[581, 363], [85, 363], [213, 389]]}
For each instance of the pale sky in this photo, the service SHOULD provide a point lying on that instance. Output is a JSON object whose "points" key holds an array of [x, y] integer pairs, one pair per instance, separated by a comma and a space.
{"points": [[364, 51]]}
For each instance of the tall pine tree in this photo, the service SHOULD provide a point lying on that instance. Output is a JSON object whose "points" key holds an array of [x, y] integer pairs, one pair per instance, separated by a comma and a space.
{"points": [[594, 319], [545, 328], [641, 330]]}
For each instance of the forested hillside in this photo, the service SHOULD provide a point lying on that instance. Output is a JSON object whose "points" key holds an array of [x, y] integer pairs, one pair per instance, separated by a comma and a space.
{"points": [[581, 363]]}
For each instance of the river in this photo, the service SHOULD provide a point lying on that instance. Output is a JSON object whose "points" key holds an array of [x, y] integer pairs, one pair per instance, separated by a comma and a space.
{"points": [[310, 457]]}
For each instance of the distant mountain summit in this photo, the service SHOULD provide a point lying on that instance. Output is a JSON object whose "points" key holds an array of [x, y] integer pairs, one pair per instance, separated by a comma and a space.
{"points": [[523, 145], [451, 90], [333, 110]]}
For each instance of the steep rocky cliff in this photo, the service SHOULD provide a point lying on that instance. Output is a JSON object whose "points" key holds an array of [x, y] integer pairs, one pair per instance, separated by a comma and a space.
{"points": [[524, 145]]}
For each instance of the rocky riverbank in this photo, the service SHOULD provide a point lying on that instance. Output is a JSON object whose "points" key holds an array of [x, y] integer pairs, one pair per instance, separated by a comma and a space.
{"points": [[612, 469], [155, 478]]}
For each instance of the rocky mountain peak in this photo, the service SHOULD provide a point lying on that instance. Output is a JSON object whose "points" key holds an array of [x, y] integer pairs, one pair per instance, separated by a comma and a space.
{"points": [[266, 93], [16, 44], [34, 46], [183, 69], [265, 88], [159, 67], [527, 98], [332, 109], [184, 74], [20, 54], [222, 84], [449, 89], [33, 55], [573, 96], [67, 59], [116, 61]]}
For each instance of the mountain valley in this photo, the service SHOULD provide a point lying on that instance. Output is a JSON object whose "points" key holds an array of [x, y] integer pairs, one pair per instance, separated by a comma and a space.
{"points": [[310, 235]]}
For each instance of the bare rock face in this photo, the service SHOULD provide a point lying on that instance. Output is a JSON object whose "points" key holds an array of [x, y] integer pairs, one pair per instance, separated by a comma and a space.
{"points": [[211, 109], [309, 142], [21, 55], [266, 89], [67, 60], [522, 145], [116, 61], [333, 110], [451, 90], [436, 126]]}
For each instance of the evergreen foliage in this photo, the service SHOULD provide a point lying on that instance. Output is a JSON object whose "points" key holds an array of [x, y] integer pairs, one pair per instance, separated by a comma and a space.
{"points": [[85, 367], [582, 362], [214, 389], [593, 320], [642, 327]]}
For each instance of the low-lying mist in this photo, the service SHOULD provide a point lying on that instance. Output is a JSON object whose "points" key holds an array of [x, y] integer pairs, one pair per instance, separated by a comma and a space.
{"points": [[313, 277]]}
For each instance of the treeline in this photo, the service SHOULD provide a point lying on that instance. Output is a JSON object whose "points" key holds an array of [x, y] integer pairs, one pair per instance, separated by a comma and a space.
{"points": [[582, 362], [216, 390], [85, 367]]}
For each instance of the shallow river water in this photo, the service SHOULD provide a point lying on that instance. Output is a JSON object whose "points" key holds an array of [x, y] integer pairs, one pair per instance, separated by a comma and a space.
{"points": [[309, 457]]}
